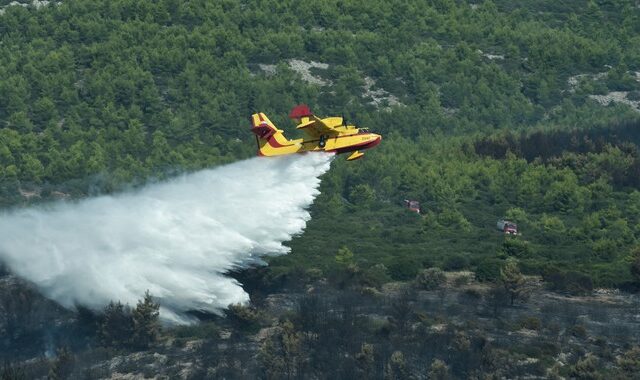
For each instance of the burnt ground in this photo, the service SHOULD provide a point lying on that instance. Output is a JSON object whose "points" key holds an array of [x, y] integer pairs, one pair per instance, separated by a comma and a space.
{"points": [[471, 327]]}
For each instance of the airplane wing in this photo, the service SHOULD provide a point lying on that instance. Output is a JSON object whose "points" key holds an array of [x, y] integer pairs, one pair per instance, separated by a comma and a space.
{"points": [[315, 127]]}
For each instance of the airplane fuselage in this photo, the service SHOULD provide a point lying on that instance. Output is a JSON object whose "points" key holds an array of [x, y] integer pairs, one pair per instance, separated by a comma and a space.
{"points": [[332, 136], [339, 144]]}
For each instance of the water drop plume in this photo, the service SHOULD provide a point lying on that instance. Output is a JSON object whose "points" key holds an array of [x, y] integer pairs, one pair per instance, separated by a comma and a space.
{"points": [[177, 239]]}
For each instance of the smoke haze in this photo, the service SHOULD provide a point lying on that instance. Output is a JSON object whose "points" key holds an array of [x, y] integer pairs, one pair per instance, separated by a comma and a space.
{"points": [[177, 238]]}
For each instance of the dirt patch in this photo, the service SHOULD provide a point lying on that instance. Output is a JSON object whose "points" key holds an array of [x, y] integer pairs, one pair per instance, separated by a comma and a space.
{"points": [[573, 81], [491, 56], [378, 96], [29, 194], [268, 69], [37, 4], [601, 298], [616, 97], [304, 69]]}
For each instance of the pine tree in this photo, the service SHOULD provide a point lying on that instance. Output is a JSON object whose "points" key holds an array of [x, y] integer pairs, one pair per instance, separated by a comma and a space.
{"points": [[396, 367], [291, 349], [365, 361], [117, 325], [62, 366], [12, 372], [439, 370], [635, 264], [271, 361], [344, 256], [586, 368], [512, 280], [281, 354], [146, 324]]}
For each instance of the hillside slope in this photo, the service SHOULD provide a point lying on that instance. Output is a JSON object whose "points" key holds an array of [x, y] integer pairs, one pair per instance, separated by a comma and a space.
{"points": [[521, 109]]}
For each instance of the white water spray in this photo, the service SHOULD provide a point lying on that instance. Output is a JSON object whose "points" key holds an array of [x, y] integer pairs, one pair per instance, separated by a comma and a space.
{"points": [[176, 239]]}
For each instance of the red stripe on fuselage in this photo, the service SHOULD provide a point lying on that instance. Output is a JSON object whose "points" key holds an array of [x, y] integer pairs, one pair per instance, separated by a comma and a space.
{"points": [[351, 148], [365, 145], [274, 143]]}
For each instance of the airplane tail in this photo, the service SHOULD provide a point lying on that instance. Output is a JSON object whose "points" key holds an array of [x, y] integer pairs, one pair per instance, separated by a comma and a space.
{"points": [[303, 114], [270, 139]]}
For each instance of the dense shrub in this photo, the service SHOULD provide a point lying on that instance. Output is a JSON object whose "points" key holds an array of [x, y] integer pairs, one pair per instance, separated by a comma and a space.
{"points": [[244, 317], [403, 268], [455, 262], [531, 323], [629, 362], [516, 247], [570, 282], [579, 331], [488, 270], [375, 276], [462, 280], [586, 368], [430, 279]]}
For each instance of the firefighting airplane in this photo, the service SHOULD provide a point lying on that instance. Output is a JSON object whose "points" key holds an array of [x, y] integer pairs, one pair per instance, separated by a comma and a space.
{"points": [[323, 135]]}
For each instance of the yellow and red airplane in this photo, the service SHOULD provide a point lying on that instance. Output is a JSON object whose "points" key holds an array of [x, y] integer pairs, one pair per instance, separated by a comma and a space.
{"points": [[323, 135]]}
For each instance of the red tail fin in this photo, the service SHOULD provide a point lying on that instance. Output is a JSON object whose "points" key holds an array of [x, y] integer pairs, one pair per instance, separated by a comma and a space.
{"points": [[300, 111]]}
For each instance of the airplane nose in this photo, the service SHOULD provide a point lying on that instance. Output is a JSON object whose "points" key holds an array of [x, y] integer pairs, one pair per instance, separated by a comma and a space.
{"points": [[375, 141]]}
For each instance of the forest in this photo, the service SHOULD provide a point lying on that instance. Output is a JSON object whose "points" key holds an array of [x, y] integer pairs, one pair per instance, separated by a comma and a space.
{"points": [[525, 110]]}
